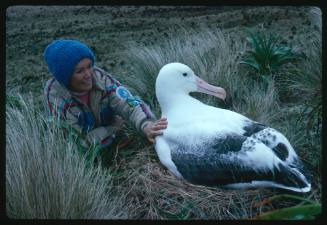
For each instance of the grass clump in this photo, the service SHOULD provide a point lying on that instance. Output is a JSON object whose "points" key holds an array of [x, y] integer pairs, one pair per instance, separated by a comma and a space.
{"points": [[267, 54], [45, 177], [304, 83], [305, 210], [212, 55]]}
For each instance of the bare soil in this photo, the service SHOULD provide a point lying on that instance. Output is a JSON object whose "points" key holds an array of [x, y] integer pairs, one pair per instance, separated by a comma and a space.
{"points": [[108, 29]]}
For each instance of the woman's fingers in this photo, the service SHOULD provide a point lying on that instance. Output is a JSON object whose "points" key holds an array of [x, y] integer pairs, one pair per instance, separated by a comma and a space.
{"points": [[162, 120], [159, 127], [161, 123], [155, 129]]}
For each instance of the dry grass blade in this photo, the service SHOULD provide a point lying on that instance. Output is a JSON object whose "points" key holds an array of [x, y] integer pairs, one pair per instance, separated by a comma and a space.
{"points": [[153, 193], [45, 177]]}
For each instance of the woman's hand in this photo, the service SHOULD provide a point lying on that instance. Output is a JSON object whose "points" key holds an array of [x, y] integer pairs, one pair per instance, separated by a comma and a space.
{"points": [[153, 129]]}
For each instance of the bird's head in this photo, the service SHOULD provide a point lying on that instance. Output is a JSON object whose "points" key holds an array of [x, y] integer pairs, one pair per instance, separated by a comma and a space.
{"points": [[178, 78]]}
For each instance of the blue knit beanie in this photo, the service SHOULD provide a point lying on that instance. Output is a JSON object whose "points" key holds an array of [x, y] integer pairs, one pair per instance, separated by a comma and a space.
{"points": [[62, 56]]}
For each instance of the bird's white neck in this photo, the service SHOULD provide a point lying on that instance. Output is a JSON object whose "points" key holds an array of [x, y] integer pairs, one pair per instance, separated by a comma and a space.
{"points": [[175, 101]]}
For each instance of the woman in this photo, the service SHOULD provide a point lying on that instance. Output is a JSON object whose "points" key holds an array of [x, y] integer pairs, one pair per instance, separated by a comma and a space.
{"points": [[89, 99]]}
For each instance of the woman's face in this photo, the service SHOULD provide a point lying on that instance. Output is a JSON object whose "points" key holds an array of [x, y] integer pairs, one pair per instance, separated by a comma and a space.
{"points": [[82, 77]]}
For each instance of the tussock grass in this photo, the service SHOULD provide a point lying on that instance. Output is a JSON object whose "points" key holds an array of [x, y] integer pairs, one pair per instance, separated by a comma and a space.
{"points": [[45, 177], [267, 55], [306, 78], [304, 83], [215, 57]]}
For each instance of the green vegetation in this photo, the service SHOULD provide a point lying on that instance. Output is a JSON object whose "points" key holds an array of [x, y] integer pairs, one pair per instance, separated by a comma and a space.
{"points": [[267, 55], [305, 210], [47, 177]]}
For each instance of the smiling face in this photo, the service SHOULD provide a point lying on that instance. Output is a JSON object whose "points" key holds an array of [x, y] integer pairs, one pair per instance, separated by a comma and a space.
{"points": [[82, 77]]}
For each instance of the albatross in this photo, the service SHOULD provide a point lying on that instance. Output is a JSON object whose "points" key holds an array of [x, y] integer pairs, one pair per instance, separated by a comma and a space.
{"points": [[212, 146]]}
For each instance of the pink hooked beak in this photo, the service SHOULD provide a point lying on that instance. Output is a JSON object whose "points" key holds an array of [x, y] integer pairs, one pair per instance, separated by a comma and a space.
{"points": [[209, 89]]}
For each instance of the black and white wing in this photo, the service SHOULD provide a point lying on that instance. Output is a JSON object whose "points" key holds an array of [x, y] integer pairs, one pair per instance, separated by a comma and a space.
{"points": [[236, 160]]}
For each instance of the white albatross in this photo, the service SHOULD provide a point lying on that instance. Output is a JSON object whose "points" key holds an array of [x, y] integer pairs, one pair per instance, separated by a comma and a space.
{"points": [[217, 147]]}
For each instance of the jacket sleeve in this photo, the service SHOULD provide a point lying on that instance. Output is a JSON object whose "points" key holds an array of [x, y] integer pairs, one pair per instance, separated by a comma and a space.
{"points": [[130, 107], [67, 111]]}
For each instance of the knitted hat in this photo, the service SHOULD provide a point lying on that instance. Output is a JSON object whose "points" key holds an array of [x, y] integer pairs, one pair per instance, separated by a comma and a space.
{"points": [[62, 56]]}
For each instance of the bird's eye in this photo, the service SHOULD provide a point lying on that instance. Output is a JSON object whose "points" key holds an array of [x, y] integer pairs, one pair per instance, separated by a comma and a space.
{"points": [[184, 74]]}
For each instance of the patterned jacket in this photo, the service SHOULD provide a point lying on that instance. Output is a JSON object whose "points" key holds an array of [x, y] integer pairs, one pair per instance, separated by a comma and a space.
{"points": [[107, 97]]}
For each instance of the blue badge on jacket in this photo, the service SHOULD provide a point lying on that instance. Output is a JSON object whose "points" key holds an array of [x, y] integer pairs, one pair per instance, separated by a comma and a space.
{"points": [[124, 94]]}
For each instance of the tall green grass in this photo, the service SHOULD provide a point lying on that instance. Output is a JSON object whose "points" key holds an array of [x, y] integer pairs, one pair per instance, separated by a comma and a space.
{"points": [[45, 176]]}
